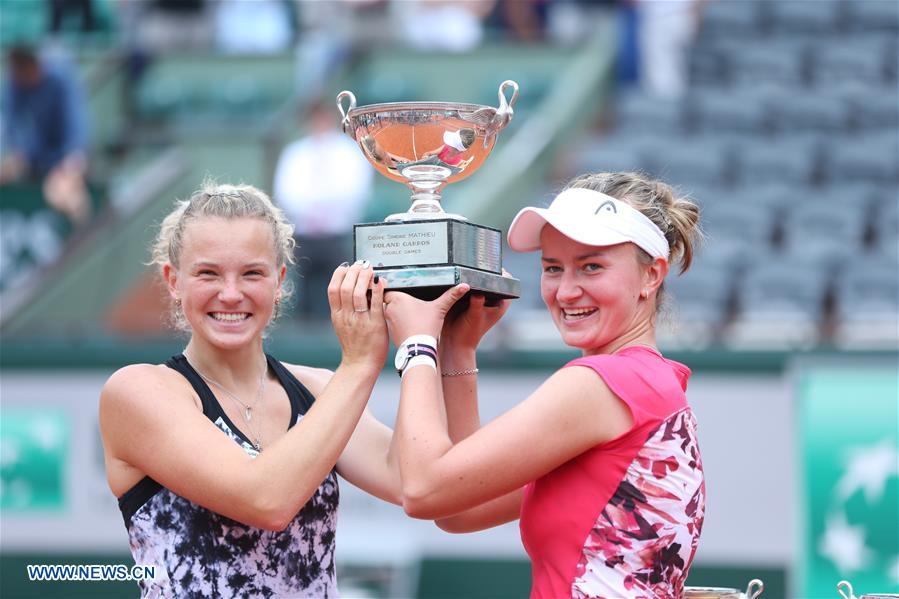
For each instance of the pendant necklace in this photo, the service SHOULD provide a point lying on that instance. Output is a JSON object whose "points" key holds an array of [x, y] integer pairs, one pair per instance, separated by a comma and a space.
{"points": [[246, 409]]}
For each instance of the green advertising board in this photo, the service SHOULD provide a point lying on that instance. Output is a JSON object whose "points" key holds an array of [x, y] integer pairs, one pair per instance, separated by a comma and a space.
{"points": [[33, 448], [849, 435]]}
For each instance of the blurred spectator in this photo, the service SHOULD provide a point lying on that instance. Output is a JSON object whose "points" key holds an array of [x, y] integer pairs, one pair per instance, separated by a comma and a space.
{"points": [[45, 131], [165, 25], [332, 32], [571, 22], [443, 25], [666, 29], [525, 20], [150, 28], [253, 26], [61, 10], [322, 183]]}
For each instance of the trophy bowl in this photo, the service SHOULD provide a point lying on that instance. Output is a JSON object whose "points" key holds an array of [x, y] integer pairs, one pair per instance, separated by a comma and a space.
{"points": [[426, 144]]}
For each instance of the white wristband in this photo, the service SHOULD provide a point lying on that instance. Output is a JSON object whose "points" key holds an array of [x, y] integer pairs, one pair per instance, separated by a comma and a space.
{"points": [[421, 339], [419, 361]]}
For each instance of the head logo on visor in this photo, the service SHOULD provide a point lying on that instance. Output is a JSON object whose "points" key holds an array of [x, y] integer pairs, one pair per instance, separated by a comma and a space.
{"points": [[591, 218], [607, 206]]}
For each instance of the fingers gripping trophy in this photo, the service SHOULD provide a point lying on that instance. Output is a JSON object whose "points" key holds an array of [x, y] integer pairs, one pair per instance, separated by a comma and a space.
{"points": [[427, 145]]}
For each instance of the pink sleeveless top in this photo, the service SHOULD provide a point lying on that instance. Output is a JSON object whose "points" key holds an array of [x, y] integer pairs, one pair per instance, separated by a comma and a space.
{"points": [[623, 518]]}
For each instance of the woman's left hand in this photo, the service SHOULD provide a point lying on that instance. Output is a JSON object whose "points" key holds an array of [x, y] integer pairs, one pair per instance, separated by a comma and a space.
{"points": [[407, 315], [463, 329]]}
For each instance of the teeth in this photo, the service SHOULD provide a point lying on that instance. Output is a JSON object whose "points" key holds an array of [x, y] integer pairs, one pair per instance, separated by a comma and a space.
{"points": [[577, 313], [229, 317]]}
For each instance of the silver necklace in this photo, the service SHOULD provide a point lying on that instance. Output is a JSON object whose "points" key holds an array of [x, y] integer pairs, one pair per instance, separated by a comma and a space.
{"points": [[247, 408]]}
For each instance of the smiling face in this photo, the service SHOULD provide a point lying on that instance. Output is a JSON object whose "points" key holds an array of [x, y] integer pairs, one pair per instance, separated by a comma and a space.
{"points": [[227, 279], [594, 293]]}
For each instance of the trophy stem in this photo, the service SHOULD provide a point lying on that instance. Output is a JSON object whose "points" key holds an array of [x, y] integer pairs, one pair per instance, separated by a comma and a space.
{"points": [[428, 203], [426, 183]]}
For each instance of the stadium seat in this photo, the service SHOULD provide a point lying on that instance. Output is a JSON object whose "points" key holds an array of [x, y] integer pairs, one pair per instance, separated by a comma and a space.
{"points": [[779, 160], [738, 228], [704, 160], [725, 110], [867, 302], [728, 19], [856, 58], [808, 111], [862, 195], [699, 301], [163, 99], [802, 16], [774, 197], [873, 111], [864, 158], [642, 113], [28, 241], [708, 67], [885, 222], [706, 194], [826, 234], [780, 304], [608, 153], [781, 62], [872, 15], [241, 96]]}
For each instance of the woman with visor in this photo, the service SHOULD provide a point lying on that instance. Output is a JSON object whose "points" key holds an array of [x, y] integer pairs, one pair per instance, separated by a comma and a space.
{"points": [[601, 463]]}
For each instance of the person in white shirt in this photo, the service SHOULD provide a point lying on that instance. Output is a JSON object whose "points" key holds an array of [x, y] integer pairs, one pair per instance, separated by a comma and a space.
{"points": [[322, 182]]}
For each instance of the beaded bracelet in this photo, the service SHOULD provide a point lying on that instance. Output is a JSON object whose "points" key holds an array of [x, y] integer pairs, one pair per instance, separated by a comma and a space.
{"points": [[460, 372]]}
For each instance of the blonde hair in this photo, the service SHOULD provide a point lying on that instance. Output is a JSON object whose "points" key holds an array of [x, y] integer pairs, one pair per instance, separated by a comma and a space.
{"points": [[677, 217], [223, 201]]}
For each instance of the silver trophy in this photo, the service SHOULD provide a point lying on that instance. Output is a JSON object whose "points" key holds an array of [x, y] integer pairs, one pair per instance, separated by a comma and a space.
{"points": [[753, 590], [426, 145], [844, 587]]}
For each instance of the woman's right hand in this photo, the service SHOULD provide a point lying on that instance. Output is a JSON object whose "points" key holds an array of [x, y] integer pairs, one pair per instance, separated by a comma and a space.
{"points": [[358, 322]]}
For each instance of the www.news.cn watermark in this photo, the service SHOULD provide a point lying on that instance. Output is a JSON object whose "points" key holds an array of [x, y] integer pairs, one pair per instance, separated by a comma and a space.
{"points": [[89, 572]]}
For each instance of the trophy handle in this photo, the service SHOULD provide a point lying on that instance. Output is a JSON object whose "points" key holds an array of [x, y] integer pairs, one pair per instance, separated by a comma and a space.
{"points": [[843, 587], [345, 112], [505, 111], [502, 115], [755, 588]]}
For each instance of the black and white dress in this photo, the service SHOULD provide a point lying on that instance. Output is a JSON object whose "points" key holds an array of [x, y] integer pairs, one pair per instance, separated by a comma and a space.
{"points": [[199, 553]]}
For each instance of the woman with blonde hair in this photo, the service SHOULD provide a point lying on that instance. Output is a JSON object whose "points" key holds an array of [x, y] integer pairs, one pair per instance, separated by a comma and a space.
{"points": [[224, 459], [601, 463]]}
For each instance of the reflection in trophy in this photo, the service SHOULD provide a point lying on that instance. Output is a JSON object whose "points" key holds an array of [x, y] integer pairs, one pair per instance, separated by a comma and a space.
{"points": [[427, 145], [449, 156]]}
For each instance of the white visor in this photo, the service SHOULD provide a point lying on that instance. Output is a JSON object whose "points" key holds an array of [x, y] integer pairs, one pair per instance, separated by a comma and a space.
{"points": [[454, 140], [591, 218]]}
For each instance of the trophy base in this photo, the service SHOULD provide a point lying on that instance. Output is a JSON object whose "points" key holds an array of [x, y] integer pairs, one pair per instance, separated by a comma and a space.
{"points": [[429, 282], [431, 243], [426, 257]]}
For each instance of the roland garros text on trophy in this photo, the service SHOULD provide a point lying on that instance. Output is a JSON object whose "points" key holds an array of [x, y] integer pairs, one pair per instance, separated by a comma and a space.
{"points": [[426, 145]]}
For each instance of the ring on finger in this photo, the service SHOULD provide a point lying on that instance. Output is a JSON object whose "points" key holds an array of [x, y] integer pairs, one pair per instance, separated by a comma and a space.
{"points": [[360, 309]]}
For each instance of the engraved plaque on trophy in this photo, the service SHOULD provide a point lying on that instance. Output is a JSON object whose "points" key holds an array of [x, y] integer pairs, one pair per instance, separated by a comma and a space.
{"points": [[427, 145]]}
